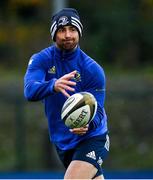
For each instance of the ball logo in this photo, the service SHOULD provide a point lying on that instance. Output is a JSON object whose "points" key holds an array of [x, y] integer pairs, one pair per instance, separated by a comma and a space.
{"points": [[82, 115], [63, 21], [80, 118]]}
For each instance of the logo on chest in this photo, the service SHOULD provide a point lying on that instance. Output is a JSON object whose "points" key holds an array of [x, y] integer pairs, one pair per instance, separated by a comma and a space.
{"points": [[52, 70], [77, 77]]}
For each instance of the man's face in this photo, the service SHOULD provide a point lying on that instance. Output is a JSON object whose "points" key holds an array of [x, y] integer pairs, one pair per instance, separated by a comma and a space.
{"points": [[67, 37]]}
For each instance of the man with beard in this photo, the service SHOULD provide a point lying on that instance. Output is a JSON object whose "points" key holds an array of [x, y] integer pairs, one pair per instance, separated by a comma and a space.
{"points": [[54, 74]]}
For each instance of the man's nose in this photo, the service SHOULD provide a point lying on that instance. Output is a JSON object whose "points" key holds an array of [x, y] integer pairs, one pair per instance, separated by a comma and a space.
{"points": [[67, 33]]}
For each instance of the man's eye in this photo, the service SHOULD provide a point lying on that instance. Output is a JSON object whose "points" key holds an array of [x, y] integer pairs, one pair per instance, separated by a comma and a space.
{"points": [[73, 29], [61, 30]]}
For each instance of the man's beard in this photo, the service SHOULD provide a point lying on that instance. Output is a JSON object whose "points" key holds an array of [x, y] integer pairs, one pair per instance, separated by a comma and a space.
{"points": [[68, 45]]}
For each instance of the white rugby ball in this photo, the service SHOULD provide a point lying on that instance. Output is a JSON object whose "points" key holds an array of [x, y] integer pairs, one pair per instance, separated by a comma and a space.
{"points": [[79, 109]]}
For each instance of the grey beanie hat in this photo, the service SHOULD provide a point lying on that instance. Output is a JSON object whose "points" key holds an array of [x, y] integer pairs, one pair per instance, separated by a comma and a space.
{"points": [[67, 16]]}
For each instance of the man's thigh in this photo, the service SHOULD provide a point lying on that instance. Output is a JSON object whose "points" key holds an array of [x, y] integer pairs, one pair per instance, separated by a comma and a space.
{"points": [[80, 170]]}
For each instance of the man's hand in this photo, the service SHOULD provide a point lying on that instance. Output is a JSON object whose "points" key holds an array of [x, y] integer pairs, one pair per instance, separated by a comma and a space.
{"points": [[80, 131], [64, 83]]}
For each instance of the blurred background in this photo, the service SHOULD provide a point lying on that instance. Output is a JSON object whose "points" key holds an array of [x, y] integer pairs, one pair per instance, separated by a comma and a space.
{"points": [[118, 35]]}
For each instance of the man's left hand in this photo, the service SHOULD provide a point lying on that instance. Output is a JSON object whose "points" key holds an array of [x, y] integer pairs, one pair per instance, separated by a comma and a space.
{"points": [[80, 131]]}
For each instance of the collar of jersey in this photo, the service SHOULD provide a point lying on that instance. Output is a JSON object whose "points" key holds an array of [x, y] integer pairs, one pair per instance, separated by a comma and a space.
{"points": [[65, 55]]}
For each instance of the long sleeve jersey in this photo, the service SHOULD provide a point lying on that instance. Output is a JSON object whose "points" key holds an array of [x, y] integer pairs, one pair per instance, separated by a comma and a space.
{"points": [[44, 68]]}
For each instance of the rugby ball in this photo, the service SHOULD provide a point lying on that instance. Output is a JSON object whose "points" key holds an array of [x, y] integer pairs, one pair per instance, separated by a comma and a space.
{"points": [[79, 110]]}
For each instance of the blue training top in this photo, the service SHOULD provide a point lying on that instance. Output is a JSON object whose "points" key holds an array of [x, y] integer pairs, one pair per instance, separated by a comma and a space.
{"points": [[44, 69]]}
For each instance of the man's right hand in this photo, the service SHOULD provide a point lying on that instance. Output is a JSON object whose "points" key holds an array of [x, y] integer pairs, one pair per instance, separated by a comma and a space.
{"points": [[64, 83]]}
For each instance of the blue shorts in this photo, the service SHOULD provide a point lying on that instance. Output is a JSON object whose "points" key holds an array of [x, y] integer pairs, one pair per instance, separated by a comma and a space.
{"points": [[93, 150]]}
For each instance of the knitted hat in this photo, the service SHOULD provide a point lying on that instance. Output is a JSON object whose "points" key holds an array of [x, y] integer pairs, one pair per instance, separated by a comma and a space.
{"points": [[67, 16]]}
